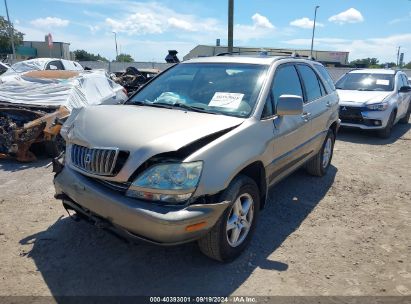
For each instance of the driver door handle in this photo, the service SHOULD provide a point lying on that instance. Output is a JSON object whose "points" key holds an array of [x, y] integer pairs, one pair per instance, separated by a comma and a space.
{"points": [[306, 116]]}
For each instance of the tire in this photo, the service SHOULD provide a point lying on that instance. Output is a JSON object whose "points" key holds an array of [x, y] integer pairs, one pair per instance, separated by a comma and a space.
{"points": [[53, 148], [386, 132], [406, 118], [218, 242], [318, 165]]}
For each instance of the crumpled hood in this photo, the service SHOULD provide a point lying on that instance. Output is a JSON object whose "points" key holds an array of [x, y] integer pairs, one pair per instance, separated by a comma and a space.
{"points": [[144, 131], [361, 97]]}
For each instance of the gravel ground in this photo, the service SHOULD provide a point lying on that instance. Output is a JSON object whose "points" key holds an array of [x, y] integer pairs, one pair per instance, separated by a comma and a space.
{"points": [[347, 233]]}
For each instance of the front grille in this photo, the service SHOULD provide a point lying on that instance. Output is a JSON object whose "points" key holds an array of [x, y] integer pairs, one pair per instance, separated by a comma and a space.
{"points": [[99, 161], [351, 115]]}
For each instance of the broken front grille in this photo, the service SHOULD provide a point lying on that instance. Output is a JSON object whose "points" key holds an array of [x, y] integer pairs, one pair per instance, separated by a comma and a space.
{"points": [[99, 161]]}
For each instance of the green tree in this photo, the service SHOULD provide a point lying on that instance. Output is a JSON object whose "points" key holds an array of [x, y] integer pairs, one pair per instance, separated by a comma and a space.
{"points": [[124, 58], [82, 55], [5, 42], [408, 65], [365, 62]]}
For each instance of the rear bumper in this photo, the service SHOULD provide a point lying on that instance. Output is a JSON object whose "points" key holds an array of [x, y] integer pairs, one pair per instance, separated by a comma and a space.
{"points": [[136, 218]]}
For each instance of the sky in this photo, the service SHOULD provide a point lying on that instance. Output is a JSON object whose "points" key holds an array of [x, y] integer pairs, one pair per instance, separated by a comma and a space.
{"points": [[146, 29]]}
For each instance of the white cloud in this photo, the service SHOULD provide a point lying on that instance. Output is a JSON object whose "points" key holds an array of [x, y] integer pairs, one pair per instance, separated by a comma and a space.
{"points": [[94, 28], [137, 24], [400, 20], [349, 16], [154, 18], [180, 24], [261, 21], [383, 48], [261, 27], [49, 22], [305, 23]]}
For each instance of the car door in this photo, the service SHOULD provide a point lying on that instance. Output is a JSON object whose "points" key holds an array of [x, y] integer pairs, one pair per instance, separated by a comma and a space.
{"points": [[404, 98], [318, 103], [290, 132]]}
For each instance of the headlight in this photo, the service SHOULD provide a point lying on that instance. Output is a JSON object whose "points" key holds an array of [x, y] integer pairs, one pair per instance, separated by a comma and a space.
{"points": [[377, 106], [172, 182]]}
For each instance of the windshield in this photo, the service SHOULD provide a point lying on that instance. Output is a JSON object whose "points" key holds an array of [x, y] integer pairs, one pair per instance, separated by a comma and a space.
{"points": [[218, 88], [366, 82], [24, 66]]}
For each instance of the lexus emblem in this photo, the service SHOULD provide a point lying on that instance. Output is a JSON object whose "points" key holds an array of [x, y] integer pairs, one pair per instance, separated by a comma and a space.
{"points": [[87, 159]]}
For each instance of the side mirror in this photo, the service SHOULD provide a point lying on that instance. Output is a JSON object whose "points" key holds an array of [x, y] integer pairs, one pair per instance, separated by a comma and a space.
{"points": [[289, 105], [405, 89]]}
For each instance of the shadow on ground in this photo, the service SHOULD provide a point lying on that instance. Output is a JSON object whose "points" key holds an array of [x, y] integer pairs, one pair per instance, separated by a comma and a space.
{"points": [[359, 136], [12, 165], [78, 259]]}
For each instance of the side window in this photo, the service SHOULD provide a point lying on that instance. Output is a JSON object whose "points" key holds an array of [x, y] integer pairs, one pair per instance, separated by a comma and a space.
{"points": [[323, 91], [324, 73], [55, 65], [268, 108], [286, 81], [404, 80], [311, 83]]}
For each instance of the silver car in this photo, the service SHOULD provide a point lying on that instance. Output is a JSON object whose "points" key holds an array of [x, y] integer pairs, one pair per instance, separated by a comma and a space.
{"points": [[374, 99], [192, 154]]}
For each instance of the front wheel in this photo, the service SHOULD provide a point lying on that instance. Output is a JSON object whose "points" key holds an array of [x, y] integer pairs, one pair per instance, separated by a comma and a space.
{"points": [[319, 164], [406, 118], [386, 132], [233, 231]]}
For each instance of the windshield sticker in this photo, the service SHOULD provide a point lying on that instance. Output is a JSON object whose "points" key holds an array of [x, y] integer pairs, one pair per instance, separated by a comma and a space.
{"points": [[384, 82], [226, 100]]}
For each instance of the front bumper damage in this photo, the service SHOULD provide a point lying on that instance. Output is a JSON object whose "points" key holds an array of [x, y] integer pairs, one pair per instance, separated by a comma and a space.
{"points": [[133, 218], [23, 125]]}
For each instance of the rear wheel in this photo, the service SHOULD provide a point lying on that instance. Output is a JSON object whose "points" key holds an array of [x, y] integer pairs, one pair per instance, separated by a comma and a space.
{"points": [[320, 163], [233, 231], [386, 132]]}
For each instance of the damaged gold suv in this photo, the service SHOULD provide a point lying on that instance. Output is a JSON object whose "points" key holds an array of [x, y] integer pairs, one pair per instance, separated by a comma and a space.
{"points": [[191, 155]]}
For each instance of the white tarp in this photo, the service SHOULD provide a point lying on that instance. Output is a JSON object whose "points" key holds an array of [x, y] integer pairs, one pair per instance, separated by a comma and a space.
{"points": [[88, 88]]}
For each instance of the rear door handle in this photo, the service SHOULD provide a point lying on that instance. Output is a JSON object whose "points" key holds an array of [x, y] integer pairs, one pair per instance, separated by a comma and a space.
{"points": [[328, 104]]}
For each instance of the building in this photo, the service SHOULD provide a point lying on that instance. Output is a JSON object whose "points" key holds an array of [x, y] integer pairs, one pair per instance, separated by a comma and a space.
{"points": [[329, 58], [40, 49]]}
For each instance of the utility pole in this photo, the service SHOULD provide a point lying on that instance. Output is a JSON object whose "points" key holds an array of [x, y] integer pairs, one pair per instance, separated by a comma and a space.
{"points": [[230, 25], [115, 40], [312, 38], [398, 56], [11, 30]]}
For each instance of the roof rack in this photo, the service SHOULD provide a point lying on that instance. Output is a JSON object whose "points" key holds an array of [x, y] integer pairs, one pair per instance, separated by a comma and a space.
{"points": [[265, 53]]}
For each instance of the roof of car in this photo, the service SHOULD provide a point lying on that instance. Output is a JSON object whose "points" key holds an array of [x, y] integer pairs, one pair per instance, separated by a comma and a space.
{"points": [[375, 71], [235, 59]]}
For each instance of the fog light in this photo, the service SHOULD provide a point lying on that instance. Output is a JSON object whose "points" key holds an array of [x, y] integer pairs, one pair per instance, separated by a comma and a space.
{"points": [[377, 123]]}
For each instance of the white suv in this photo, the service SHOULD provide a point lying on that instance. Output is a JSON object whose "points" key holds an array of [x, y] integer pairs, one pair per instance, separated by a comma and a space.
{"points": [[374, 99]]}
